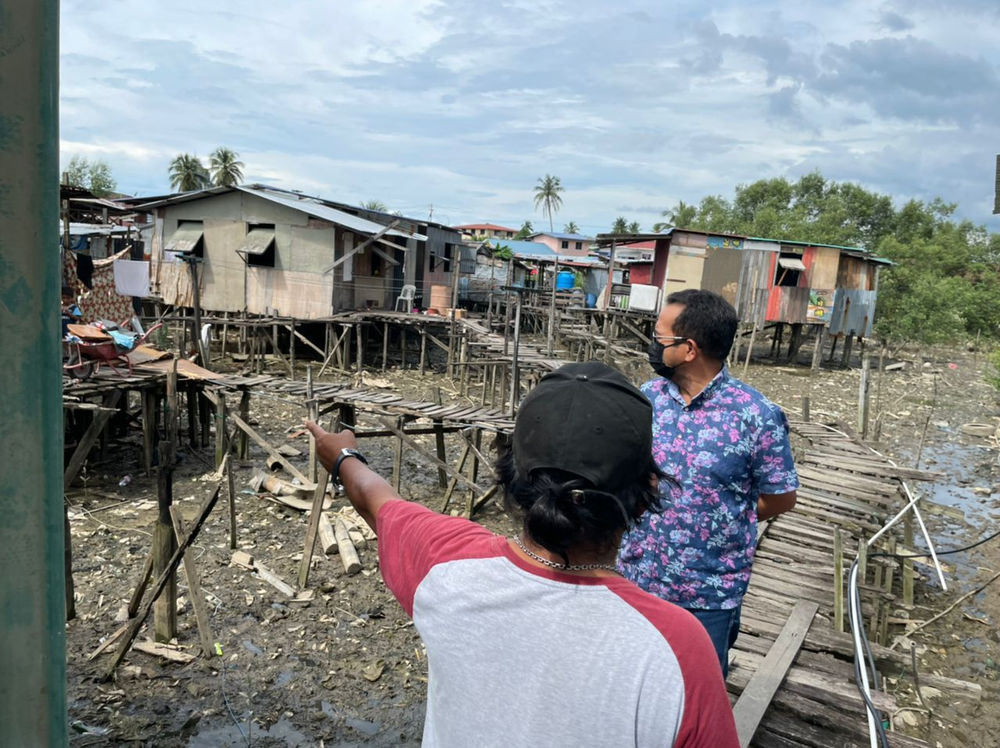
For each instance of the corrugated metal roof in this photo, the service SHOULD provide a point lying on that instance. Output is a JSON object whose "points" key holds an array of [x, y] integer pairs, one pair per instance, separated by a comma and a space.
{"points": [[810, 244], [313, 207]]}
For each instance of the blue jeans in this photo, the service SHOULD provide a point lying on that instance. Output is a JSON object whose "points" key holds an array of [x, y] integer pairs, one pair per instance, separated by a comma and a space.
{"points": [[723, 626]]}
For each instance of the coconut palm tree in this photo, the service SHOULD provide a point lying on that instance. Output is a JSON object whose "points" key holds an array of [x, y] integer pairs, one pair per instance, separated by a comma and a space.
{"points": [[633, 228], [571, 228], [547, 195], [682, 215], [525, 231], [620, 226], [187, 173], [227, 169], [376, 205]]}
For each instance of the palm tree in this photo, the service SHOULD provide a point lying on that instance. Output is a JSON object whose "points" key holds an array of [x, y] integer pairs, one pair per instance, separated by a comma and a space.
{"points": [[633, 228], [547, 195], [620, 226], [681, 215], [525, 231], [376, 205], [571, 228], [187, 173], [227, 169]]}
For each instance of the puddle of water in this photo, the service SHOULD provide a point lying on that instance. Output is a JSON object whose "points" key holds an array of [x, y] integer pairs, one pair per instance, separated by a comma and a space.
{"points": [[227, 735]]}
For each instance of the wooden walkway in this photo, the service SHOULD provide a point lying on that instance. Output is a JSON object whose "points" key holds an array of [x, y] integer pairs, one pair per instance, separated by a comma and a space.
{"points": [[846, 486]]}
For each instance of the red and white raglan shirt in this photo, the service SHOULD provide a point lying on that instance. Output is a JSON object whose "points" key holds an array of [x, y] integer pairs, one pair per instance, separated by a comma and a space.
{"points": [[520, 655]]}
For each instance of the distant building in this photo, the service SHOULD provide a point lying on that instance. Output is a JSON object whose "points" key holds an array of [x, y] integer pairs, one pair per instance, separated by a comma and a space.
{"points": [[471, 231], [577, 245], [268, 251]]}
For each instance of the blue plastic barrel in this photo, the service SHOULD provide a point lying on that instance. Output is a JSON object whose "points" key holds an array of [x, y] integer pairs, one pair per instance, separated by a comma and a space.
{"points": [[565, 280], [591, 301]]}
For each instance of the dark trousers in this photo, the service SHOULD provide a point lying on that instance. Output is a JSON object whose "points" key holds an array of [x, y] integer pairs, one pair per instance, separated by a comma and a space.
{"points": [[723, 626]]}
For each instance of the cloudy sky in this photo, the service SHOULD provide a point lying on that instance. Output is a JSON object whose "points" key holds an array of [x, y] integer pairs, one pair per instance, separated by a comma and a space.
{"points": [[463, 105]]}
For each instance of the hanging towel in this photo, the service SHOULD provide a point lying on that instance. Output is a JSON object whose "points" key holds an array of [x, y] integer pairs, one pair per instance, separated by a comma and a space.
{"points": [[132, 278]]}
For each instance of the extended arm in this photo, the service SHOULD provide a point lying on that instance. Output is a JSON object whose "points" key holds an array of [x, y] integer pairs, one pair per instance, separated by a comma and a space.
{"points": [[366, 490], [772, 504]]}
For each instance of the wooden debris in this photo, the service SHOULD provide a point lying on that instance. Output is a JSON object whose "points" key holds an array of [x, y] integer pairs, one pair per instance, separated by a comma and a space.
{"points": [[327, 538], [108, 642], [166, 651], [348, 555], [244, 559]]}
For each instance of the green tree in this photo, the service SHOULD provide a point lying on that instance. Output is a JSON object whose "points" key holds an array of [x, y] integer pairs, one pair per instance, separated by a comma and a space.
{"points": [[525, 231], [571, 228], [91, 175], [620, 226], [376, 205], [547, 196], [226, 167], [681, 215], [503, 252], [633, 227], [188, 173]]}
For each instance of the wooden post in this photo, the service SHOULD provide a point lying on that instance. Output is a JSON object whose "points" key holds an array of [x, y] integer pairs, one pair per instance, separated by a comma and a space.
{"points": [[313, 412], [611, 277], [220, 428], [863, 397], [423, 350], [515, 373], [232, 497], [552, 308], [242, 441], [385, 345], [148, 428], [838, 579], [194, 589], [818, 347], [464, 365], [360, 344], [805, 408], [908, 562], [397, 458], [164, 541], [192, 413], [196, 298]]}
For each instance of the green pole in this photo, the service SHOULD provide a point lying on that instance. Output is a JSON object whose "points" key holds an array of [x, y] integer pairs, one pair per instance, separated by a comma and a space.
{"points": [[32, 602]]}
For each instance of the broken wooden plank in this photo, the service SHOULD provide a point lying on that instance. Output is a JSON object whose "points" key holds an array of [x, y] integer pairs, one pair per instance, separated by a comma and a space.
{"points": [[165, 651], [756, 697], [194, 588]]}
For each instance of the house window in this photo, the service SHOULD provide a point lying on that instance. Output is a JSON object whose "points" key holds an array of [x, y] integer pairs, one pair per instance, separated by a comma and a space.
{"points": [[258, 247], [579, 245], [565, 244], [442, 262], [188, 239], [789, 269]]}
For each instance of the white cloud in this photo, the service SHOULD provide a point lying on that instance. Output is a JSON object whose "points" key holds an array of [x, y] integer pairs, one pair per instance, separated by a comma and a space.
{"points": [[464, 104]]}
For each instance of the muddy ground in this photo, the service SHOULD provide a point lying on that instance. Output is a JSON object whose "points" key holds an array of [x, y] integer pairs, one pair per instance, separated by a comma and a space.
{"points": [[347, 668]]}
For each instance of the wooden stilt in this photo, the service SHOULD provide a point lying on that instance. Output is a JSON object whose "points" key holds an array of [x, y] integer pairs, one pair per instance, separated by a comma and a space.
{"points": [[242, 441], [397, 458], [194, 589], [423, 351], [385, 345], [220, 427], [148, 428], [164, 542], [360, 345]]}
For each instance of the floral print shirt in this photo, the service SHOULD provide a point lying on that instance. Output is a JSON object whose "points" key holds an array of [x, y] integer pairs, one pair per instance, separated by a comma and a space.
{"points": [[724, 449]]}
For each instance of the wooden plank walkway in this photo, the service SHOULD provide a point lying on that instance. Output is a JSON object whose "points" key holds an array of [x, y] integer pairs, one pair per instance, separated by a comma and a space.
{"points": [[845, 485]]}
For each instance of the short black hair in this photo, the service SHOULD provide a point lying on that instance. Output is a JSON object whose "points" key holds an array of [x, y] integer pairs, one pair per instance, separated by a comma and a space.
{"points": [[708, 319], [561, 511]]}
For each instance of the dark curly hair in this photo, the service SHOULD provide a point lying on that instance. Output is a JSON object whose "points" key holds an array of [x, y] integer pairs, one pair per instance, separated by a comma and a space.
{"points": [[560, 511]]}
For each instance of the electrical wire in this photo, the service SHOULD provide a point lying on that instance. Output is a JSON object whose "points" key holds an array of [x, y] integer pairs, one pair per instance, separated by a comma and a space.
{"points": [[232, 714]]}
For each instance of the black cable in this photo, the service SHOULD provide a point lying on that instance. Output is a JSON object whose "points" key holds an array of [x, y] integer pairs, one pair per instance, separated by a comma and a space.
{"points": [[940, 553], [229, 707]]}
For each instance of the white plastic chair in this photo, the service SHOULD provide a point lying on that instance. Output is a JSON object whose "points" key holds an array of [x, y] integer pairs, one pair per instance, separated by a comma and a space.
{"points": [[406, 296]]}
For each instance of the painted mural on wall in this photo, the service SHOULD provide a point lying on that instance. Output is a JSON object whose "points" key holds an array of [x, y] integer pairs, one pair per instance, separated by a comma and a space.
{"points": [[820, 305], [724, 242]]}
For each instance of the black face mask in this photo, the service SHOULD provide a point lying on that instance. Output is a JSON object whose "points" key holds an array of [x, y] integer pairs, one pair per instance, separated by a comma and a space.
{"points": [[655, 354]]}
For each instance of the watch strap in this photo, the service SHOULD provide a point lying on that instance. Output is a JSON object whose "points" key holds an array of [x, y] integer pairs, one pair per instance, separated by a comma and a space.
{"points": [[344, 454]]}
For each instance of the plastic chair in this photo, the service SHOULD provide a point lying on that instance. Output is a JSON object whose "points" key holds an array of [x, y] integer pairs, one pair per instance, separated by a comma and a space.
{"points": [[406, 296]]}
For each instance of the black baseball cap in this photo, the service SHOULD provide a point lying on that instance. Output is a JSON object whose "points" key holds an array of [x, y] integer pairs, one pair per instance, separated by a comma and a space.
{"points": [[586, 419]]}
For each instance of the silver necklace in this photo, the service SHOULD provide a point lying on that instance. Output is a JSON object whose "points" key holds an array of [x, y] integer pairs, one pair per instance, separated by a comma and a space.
{"points": [[562, 567]]}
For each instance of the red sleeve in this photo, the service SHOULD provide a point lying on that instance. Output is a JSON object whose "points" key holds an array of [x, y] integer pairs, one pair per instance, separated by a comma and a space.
{"points": [[708, 716], [412, 539]]}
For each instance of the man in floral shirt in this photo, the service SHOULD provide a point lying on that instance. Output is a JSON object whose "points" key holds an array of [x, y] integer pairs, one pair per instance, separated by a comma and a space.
{"points": [[726, 446]]}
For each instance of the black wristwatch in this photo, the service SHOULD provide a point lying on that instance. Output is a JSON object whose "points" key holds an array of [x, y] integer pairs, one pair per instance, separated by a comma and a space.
{"points": [[344, 454]]}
